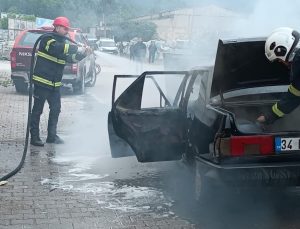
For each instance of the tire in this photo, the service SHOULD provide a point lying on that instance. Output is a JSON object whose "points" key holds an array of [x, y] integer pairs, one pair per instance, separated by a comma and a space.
{"points": [[21, 86], [79, 87], [93, 79]]}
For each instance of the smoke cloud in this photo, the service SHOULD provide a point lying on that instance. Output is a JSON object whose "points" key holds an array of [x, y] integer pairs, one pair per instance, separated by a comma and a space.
{"points": [[267, 16]]}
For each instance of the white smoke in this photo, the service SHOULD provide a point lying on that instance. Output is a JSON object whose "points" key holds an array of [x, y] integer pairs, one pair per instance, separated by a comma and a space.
{"points": [[268, 15]]}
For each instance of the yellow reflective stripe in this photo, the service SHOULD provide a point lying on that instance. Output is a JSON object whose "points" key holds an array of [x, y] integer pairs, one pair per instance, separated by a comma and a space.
{"points": [[42, 80], [278, 112], [47, 82], [48, 44], [52, 58], [66, 49], [294, 90]]}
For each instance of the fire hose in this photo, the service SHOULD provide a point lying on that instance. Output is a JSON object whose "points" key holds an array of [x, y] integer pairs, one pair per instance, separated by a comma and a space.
{"points": [[20, 165]]}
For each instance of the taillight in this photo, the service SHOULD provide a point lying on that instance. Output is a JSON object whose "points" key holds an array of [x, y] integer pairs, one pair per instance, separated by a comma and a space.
{"points": [[74, 68], [241, 145], [237, 146], [13, 59]]}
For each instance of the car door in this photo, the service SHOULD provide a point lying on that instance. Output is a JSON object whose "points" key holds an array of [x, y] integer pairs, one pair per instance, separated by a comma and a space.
{"points": [[119, 147], [150, 116]]}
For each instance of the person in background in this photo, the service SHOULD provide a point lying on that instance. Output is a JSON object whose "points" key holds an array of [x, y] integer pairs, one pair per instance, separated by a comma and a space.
{"points": [[131, 51], [121, 49], [139, 50], [152, 51]]}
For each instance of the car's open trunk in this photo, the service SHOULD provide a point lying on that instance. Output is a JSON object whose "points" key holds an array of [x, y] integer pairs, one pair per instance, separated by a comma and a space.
{"points": [[254, 84], [247, 113]]}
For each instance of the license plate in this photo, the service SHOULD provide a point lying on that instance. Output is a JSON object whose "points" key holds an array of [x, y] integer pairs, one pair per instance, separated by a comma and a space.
{"points": [[287, 144]]}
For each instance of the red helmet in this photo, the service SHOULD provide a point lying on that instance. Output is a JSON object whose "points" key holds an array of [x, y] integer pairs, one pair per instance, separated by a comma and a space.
{"points": [[62, 21]]}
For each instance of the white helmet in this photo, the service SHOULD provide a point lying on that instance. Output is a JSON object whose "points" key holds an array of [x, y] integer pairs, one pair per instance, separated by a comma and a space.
{"points": [[281, 43]]}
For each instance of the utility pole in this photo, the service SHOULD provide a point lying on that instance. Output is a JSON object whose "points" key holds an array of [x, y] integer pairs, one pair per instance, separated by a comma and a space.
{"points": [[104, 24]]}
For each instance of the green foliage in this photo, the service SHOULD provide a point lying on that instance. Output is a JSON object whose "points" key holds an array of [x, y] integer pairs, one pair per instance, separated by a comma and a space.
{"points": [[39, 8], [27, 17], [88, 13], [128, 30], [4, 23]]}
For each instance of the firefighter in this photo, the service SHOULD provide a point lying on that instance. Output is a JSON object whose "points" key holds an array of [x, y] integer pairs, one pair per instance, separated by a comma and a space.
{"points": [[52, 55], [283, 46]]}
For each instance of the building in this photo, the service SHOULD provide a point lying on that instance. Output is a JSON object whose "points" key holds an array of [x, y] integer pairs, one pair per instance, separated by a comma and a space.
{"points": [[193, 23], [15, 26]]}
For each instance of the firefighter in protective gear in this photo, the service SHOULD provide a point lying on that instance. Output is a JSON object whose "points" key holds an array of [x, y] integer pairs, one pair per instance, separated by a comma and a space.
{"points": [[283, 45], [53, 53]]}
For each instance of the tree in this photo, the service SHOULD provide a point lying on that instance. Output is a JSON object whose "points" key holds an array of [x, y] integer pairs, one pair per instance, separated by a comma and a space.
{"points": [[39, 8], [126, 31], [4, 23]]}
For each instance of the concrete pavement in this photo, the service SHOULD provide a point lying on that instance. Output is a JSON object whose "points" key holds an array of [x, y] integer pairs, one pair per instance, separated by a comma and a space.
{"points": [[4, 70], [48, 193]]}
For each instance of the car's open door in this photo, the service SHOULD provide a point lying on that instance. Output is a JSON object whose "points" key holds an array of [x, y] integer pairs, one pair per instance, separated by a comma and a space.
{"points": [[150, 117], [119, 147]]}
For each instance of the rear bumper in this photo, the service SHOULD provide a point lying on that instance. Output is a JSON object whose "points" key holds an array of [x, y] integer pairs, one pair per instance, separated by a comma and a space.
{"points": [[70, 79], [252, 165], [110, 51], [22, 75], [252, 174]]}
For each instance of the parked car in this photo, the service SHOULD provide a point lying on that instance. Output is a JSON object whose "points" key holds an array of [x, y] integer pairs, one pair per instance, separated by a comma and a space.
{"points": [[91, 40], [79, 74], [93, 43], [206, 117], [107, 45]]}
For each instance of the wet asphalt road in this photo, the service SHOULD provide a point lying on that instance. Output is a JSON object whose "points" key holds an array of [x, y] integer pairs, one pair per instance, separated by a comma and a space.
{"points": [[164, 188]]}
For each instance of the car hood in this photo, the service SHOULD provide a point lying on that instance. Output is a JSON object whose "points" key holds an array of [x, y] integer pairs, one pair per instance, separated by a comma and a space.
{"points": [[242, 64]]}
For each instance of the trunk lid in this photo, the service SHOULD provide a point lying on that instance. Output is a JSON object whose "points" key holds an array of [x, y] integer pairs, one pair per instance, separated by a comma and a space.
{"points": [[23, 58], [242, 64]]}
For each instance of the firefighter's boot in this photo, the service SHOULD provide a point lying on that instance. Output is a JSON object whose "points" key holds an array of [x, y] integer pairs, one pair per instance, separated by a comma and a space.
{"points": [[36, 141], [54, 139]]}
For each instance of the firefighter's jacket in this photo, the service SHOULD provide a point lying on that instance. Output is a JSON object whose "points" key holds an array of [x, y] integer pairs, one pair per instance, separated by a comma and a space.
{"points": [[291, 99], [53, 54]]}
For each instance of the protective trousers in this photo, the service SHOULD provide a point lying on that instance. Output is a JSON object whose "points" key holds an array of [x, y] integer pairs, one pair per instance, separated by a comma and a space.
{"points": [[40, 95]]}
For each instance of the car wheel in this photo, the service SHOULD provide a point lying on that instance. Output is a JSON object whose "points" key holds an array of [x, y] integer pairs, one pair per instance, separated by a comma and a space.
{"points": [[79, 87], [93, 78], [21, 86]]}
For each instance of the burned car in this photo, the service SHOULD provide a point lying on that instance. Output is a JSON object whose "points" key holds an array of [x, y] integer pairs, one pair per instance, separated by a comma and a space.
{"points": [[207, 116]]}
